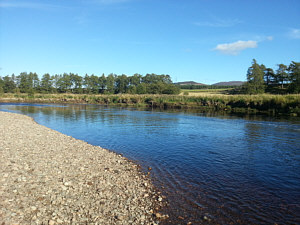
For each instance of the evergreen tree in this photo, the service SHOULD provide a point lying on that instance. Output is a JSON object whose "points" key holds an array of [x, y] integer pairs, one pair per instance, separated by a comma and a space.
{"points": [[171, 89], [166, 79], [1, 85], [46, 83], [281, 75], [269, 76], [294, 70], [87, 84], [94, 83], [77, 82], [23, 82], [135, 80], [64, 83], [102, 83], [9, 85], [141, 88], [55, 81], [122, 84], [255, 78], [150, 79], [34, 81], [110, 83]]}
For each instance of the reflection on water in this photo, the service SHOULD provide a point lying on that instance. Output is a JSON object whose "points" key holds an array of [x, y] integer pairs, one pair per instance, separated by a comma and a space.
{"points": [[228, 169]]}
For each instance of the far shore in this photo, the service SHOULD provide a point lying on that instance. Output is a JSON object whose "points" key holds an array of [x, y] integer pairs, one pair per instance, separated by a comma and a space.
{"points": [[51, 178], [267, 104]]}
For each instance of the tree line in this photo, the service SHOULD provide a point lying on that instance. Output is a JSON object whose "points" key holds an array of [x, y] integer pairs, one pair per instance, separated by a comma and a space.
{"points": [[285, 79], [89, 84]]}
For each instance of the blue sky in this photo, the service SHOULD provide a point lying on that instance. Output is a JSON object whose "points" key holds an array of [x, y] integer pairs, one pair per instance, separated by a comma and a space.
{"points": [[201, 40]]}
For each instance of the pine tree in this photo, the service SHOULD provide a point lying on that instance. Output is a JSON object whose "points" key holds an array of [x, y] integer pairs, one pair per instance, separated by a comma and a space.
{"points": [[294, 70], [46, 83], [255, 78], [281, 74]]}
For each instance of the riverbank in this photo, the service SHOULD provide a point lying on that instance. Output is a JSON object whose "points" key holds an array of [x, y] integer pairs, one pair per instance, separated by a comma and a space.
{"points": [[51, 178], [273, 105]]}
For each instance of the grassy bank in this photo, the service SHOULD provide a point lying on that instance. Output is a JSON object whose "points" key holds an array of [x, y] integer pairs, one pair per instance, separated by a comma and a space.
{"points": [[267, 104]]}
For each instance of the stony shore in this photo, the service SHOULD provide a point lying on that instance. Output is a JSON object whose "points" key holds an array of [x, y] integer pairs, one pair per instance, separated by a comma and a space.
{"points": [[50, 178]]}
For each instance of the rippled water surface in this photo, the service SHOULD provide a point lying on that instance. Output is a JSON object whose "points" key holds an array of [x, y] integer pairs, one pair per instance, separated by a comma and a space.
{"points": [[213, 170]]}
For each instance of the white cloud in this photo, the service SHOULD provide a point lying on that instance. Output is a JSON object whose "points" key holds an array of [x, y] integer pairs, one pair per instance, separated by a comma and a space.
{"points": [[270, 38], [294, 33], [236, 47]]}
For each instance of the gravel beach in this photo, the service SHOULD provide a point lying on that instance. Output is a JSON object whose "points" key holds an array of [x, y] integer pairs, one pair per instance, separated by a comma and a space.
{"points": [[50, 178]]}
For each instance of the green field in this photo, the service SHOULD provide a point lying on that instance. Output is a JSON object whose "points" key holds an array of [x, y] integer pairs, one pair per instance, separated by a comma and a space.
{"points": [[195, 92]]}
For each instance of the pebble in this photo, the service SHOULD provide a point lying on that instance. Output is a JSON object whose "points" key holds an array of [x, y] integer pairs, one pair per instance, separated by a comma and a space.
{"points": [[158, 215], [206, 218], [51, 178], [64, 188]]}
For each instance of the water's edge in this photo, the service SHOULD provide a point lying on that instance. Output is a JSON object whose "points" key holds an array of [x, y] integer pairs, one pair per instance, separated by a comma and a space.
{"points": [[219, 104]]}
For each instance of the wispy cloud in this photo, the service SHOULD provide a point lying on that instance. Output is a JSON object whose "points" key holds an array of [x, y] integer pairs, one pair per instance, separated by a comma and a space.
{"points": [[74, 66], [44, 6], [108, 2], [19, 5], [236, 47], [187, 50], [81, 19], [294, 33], [261, 38], [29, 5], [218, 23]]}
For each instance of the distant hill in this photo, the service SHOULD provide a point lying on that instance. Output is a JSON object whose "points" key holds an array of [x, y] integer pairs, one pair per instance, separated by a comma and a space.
{"points": [[225, 83], [189, 83], [229, 83]]}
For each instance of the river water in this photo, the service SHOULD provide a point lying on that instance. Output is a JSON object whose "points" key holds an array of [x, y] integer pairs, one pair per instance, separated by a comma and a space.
{"points": [[212, 169]]}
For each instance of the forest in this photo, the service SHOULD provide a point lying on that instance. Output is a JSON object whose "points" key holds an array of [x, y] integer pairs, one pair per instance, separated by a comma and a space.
{"points": [[261, 79], [89, 84]]}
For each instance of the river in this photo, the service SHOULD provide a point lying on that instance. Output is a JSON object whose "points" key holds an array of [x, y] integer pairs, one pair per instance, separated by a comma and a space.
{"points": [[212, 169]]}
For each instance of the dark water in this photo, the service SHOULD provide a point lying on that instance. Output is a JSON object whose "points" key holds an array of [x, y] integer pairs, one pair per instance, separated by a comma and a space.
{"points": [[231, 170]]}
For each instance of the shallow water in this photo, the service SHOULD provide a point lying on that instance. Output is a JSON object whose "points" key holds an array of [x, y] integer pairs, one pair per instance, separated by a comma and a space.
{"points": [[213, 170]]}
